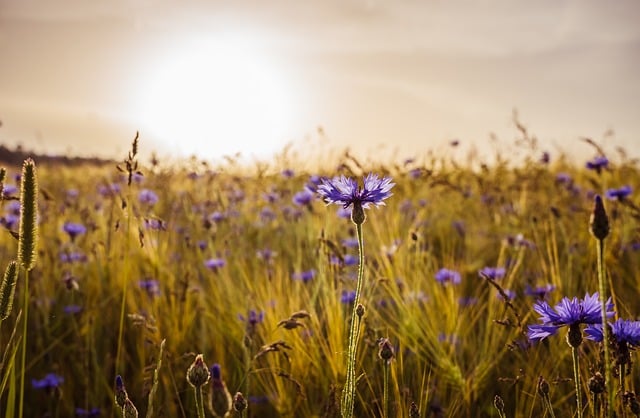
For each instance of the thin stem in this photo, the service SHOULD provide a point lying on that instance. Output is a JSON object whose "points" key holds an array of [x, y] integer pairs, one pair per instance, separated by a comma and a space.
{"points": [[349, 391], [576, 377], [596, 405], [605, 328], [23, 360], [385, 390], [199, 401], [547, 402]]}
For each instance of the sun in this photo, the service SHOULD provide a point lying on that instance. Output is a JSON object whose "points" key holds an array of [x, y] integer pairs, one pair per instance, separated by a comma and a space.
{"points": [[215, 97]]}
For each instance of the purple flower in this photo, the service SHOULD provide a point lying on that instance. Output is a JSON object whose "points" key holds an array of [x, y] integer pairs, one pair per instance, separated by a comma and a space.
{"points": [[9, 189], [216, 372], [72, 309], [73, 257], [350, 242], [303, 198], [266, 254], [624, 330], [493, 273], [569, 312], [348, 297], [619, 194], [445, 275], [304, 276], [147, 197], [253, 318], [155, 224], [598, 163], [50, 381], [151, 286], [344, 213], [563, 178], [511, 295], [74, 229], [539, 292], [215, 263], [287, 173], [345, 191]]}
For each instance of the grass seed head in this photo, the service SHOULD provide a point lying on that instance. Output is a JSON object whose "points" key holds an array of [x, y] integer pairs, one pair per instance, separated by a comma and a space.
{"points": [[8, 290], [28, 240]]}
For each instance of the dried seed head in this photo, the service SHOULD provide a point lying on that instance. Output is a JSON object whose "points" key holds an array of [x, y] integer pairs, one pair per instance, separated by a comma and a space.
{"points": [[8, 289], [28, 231], [121, 393], [198, 373], [129, 409], [543, 387], [239, 402], [360, 310], [498, 403], [599, 222], [596, 383], [414, 412], [386, 351]]}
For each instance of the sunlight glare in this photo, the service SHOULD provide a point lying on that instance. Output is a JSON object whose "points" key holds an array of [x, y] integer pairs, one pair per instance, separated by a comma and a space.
{"points": [[212, 98]]}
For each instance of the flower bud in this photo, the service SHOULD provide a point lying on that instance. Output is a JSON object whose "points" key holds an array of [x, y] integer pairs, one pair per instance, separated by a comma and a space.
{"points": [[599, 222], [198, 373], [386, 351], [239, 402]]}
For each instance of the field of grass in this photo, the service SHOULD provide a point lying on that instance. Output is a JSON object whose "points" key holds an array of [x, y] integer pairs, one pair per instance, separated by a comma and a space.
{"points": [[254, 271]]}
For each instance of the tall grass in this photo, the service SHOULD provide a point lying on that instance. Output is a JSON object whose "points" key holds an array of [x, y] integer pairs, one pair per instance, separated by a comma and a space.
{"points": [[226, 264]]}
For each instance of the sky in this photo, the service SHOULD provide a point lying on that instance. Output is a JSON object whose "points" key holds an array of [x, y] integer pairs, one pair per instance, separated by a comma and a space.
{"points": [[380, 77]]}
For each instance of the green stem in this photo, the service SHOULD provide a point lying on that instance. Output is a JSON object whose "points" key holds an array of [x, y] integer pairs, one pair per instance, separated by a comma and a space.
{"points": [[349, 391], [23, 360], [576, 377], [385, 390], [547, 402], [596, 405], [199, 401], [605, 328]]}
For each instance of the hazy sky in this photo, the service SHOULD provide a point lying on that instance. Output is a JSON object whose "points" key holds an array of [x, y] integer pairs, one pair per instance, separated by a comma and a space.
{"points": [[213, 77]]}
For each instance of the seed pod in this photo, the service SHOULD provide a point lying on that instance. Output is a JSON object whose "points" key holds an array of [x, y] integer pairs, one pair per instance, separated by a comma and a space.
{"points": [[8, 290], [28, 240]]}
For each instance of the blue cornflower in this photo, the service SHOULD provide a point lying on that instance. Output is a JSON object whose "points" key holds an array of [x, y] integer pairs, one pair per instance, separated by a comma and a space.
{"points": [[493, 273], [151, 286], [304, 276], [445, 275], [303, 198], [90, 413], [345, 191], [215, 263], [148, 197], [569, 312], [539, 292], [348, 297], [619, 194], [253, 318], [598, 163], [74, 229], [72, 309], [624, 330], [50, 381]]}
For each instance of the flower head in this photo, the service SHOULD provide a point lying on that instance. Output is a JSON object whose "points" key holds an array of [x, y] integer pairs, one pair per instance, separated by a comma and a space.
{"points": [[147, 197], [619, 194], [50, 381], [569, 312], [345, 191], [624, 330], [493, 273], [74, 229], [445, 275], [598, 163]]}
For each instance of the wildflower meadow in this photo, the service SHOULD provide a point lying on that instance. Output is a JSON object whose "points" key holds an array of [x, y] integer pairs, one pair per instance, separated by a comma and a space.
{"points": [[437, 286]]}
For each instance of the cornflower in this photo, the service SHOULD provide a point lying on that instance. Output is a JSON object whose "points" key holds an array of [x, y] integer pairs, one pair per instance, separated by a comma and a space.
{"points": [[346, 192], [570, 313]]}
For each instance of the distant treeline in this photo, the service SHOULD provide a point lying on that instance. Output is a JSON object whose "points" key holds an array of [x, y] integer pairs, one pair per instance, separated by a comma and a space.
{"points": [[15, 157]]}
